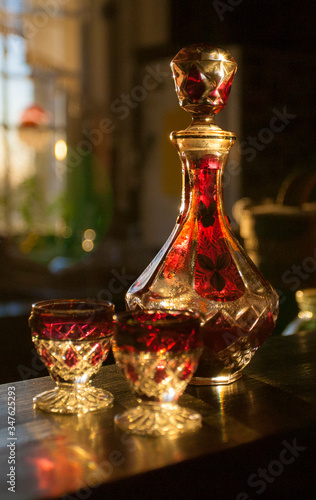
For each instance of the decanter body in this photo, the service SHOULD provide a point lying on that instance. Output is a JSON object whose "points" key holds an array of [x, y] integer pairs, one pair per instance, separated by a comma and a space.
{"points": [[202, 267]]}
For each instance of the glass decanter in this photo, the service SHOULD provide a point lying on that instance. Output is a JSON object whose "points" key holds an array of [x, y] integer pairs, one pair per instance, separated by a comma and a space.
{"points": [[305, 320], [202, 267]]}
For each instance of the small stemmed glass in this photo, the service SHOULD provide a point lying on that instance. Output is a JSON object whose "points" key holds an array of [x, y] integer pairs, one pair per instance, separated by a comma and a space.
{"points": [[158, 351], [72, 338]]}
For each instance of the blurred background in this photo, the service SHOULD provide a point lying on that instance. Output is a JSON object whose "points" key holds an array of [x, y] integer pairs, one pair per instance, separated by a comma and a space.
{"points": [[89, 184]]}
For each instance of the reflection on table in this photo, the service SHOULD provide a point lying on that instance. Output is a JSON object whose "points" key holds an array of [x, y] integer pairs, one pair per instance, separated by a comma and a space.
{"points": [[263, 422]]}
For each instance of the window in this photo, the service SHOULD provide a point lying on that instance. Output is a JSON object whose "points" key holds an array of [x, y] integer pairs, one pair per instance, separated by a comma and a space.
{"points": [[37, 87]]}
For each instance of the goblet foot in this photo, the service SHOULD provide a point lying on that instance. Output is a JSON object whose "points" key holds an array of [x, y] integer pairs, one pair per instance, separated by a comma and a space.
{"points": [[74, 400], [158, 420]]}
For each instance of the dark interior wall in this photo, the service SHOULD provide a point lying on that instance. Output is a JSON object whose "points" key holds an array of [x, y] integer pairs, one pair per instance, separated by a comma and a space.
{"points": [[279, 122], [274, 24], [278, 39]]}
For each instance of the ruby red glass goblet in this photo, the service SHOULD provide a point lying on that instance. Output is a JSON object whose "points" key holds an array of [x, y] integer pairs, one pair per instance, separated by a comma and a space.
{"points": [[158, 351], [72, 338]]}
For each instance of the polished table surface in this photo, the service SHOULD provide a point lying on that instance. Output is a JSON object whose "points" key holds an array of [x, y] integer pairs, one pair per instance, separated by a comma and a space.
{"points": [[258, 438]]}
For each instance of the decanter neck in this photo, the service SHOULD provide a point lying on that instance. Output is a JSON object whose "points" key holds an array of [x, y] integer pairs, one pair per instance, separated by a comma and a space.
{"points": [[203, 156], [205, 188]]}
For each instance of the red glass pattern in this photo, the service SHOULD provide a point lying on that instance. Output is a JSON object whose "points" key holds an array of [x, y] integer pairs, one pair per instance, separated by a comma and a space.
{"points": [[160, 373], [216, 275], [194, 86], [157, 331], [187, 371], [71, 358], [48, 360], [131, 373], [219, 334], [55, 320]]}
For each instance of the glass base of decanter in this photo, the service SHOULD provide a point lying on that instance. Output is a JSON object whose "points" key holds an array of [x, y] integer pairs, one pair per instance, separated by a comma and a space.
{"points": [[73, 400], [219, 380], [225, 367], [158, 420]]}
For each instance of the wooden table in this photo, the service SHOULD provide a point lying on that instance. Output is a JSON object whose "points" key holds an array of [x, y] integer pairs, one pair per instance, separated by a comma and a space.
{"points": [[258, 439]]}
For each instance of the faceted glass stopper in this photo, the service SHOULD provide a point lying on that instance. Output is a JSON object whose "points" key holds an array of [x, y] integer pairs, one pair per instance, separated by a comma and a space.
{"points": [[203, 77]]}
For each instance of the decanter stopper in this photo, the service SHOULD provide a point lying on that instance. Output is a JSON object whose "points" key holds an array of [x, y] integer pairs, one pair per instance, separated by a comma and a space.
{"points": [[203, 76]]}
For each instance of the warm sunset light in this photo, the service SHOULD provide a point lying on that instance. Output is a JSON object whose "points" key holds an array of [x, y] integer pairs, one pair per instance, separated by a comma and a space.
{"points": [[60, 150]]}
